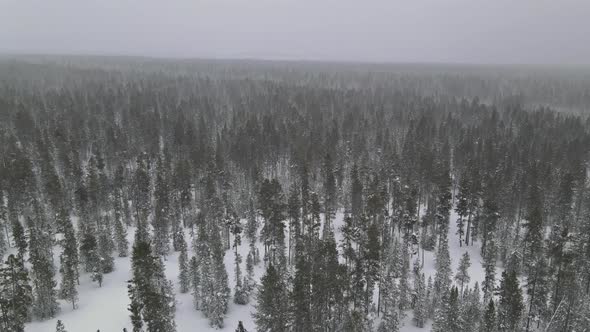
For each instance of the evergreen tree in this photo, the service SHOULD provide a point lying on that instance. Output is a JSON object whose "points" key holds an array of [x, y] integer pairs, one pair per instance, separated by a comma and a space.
{"points": [[538, 291], [462, 207], [69, 262], [184, 275], [448, 316], [391, 317], [152, 299], [430, 298], [195, 281], [471, 310], [533, 238], [510, 304], [59, 327], [121, 238], [15, 295], [18, 234], [462, 275], [489, 265], [489, 318], [240, 292], [442, 278], [92, 260], [300, 297], [271, 307], [162, 212], [421, 305], [106, 247], [42, 271], [240, 327]]}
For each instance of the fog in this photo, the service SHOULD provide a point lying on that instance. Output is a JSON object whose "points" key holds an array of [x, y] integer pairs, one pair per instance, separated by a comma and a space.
{"points": [[457, 31]]}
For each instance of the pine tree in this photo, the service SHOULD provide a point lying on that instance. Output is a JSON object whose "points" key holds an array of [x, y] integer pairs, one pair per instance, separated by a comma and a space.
{"points": [[447, 316], [391, 317], [195, 282], [106, 247], [471, 310], [489, 318], [141, 195], [183, 267], [69, 261], [151, 295], [18, 234], [121, 238], [92, 259], [162, 212], [3, 222], [442, 278], [462, 207], [421, 305], [300, 297], [240, 293], [511, 303], [489, 265], [462, 275], [218, 291], [430, 298], [271, 307], [59, 327], [538, 291], [533, 238], [404, 286], [42, 271], [240, 327], [294, 214], [15, 295]]}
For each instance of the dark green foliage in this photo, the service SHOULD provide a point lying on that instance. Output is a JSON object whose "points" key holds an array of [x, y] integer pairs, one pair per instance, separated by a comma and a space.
{"points": [[510, 305], [16, 295], [272, 312]]}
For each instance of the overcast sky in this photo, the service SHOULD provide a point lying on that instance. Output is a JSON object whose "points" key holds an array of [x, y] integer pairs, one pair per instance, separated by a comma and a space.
{"points": [[472, 31]]}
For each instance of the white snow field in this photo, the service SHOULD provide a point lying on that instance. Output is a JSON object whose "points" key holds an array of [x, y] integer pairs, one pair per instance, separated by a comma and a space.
{"points": [[105, 308]]}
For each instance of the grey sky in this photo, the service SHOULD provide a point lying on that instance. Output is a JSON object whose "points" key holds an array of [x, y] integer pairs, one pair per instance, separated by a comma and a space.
{"points": [[474, 31]]}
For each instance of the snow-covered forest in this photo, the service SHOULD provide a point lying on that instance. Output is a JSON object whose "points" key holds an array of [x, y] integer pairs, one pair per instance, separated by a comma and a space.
{"points": [[173, 195]]}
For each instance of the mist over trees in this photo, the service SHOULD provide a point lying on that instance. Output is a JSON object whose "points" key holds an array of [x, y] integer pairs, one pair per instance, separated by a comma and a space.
{"points": [[340, 184]]}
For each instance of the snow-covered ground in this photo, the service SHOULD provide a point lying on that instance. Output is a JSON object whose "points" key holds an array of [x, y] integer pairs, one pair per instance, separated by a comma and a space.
{"points": [[105, 308]]}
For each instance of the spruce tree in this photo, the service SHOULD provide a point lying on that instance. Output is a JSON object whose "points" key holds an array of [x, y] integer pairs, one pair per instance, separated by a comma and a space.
{"points": [[161, 211], [69, 262], [462, 275], [489, 318], [510, 303], [471, 310], [106, 247], [59, 327], [240, 327], [183, 266], [92, 259], [16, 295], [391, 317], [448, 317], [19, 237], [195, 282], [300, 296], [121, 238], [442, 278], [421, 305], [240, 292], [489, 265], [42, 271], [151, 295], [271, 307]]}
